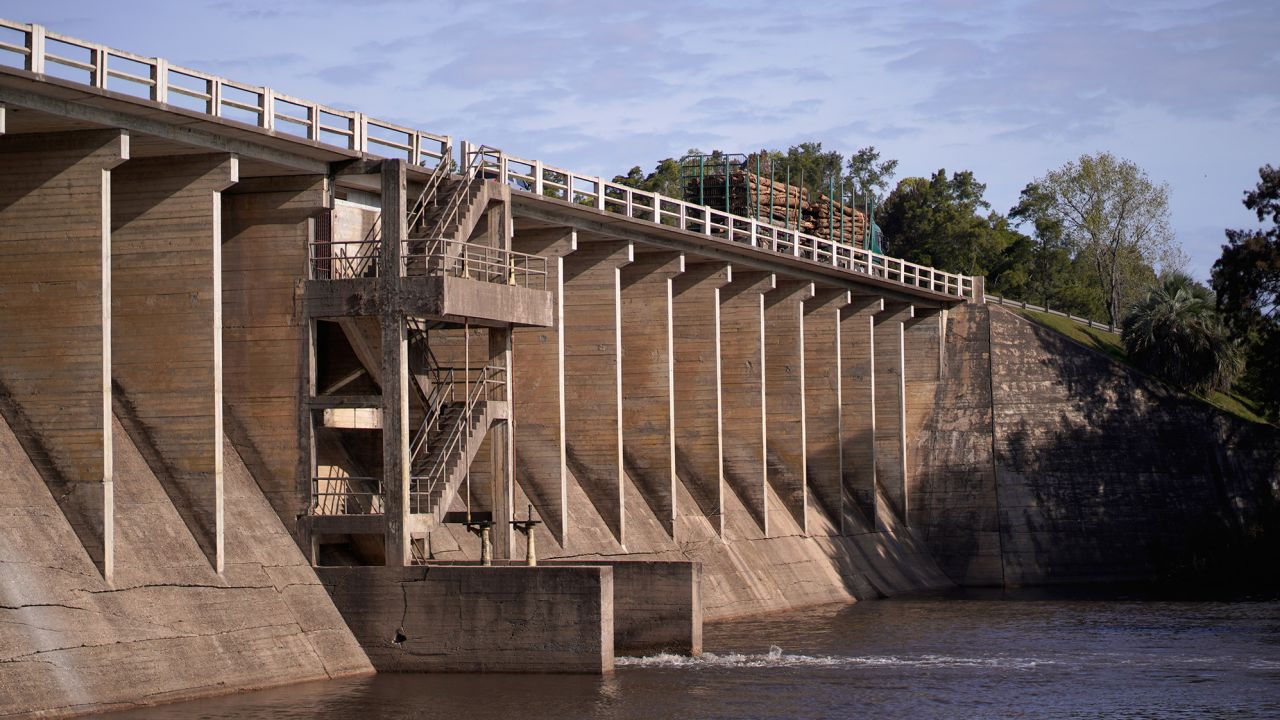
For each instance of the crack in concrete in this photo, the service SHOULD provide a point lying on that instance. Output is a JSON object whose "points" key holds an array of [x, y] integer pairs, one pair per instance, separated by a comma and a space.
{"points": [[185, 636]]}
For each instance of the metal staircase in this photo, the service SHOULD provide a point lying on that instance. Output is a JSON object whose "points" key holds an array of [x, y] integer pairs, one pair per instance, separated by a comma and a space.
{"points": [[446, 214], [447, 442], [455, 420]]}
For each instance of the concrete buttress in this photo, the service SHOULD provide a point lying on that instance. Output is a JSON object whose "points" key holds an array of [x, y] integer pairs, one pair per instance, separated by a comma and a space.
{"points": [[785, 422], [823, 391], [648, 416], [742, 378], [166, 349], [268, 224], [892, 501], [538, 390], [858, 412], [55, 361], [695, 338], [593, 368]]}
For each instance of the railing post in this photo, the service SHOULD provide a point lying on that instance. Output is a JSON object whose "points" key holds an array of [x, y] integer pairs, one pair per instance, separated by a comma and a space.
{"points": [[100, 57], [35, 43], [537, 178], [359, 133], [215, 97], [268, 109], [160, 76]]}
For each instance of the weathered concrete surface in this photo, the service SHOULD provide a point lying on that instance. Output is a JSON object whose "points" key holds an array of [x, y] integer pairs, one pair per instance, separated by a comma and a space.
{"points": [[891, 501], [1081, 469], [657, 606], [479, 619], [858, 412], [955, 485], [742, 401], [823, 390], [169, 628]]}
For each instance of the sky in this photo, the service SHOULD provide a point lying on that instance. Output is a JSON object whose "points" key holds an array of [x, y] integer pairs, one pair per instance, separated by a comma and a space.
{"points": [[1189, 90]]}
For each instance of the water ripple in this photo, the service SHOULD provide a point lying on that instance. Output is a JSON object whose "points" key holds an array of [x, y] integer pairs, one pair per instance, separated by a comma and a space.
{"points": [[776, 658]]}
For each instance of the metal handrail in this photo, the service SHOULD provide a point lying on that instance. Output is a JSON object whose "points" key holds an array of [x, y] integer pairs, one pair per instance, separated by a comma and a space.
{"points": [[453, 441], [366, 501], [441, 256], [419, 208], [1023, 304], [454, 205], [441, 394]]}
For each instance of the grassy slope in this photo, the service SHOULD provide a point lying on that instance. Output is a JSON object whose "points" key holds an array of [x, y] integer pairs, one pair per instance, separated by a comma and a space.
{"points": [[1109, 344]]}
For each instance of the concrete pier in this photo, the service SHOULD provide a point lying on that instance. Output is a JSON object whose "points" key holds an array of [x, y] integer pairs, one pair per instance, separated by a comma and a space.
{"points": [[593, 368], [743, 399], [890, 415], [55, 362], [858, 403], [823, 395], [699, 418], [648, 403], [785, 417], [166, 302]]}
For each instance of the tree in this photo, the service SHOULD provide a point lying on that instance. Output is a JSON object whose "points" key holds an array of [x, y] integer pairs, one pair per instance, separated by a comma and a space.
{"points": [[1112, 215], [1176, 334], [935, 221], [664, 179], [1247, 281], [869, 176], [1048, 256]]}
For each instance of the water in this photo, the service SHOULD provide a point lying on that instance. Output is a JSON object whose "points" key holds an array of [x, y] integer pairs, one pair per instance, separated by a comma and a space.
{"points": [[907, 658]]}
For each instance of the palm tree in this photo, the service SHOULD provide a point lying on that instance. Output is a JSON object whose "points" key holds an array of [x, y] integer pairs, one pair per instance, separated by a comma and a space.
{"points": [[1176, 334]]}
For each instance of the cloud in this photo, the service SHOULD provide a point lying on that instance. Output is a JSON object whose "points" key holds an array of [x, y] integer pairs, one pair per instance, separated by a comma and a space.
{"points": [[1066, 69]]}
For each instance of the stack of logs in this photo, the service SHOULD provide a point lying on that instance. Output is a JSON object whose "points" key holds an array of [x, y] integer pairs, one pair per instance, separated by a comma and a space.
{"points": [[773, 201]]}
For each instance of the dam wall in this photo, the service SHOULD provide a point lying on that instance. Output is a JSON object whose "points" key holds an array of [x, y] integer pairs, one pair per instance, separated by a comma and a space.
{"points": [[1040, 461], [168, 627]]}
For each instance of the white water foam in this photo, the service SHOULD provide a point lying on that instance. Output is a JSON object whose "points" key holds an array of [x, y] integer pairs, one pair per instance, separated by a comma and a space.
{"points": [[776, 658]]}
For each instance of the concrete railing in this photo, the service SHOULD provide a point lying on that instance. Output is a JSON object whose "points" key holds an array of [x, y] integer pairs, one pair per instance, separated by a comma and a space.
{"points": [[537, 178], [106, 68], [997, 300], [154, 78]]}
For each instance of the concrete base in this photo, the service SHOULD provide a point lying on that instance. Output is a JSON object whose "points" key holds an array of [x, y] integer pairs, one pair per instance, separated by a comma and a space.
{"points": [[478, 619], [657, 605]]}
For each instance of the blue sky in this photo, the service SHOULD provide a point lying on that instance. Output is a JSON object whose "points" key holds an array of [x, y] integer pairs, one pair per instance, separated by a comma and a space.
{"points": [[1189, 90]]}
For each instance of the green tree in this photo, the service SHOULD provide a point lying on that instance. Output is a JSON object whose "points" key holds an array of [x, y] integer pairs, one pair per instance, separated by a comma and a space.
{"points": [[868, 176], [1176, 334], [1112, 215], [664, 179], [1047, 258], [936, 221], [1247, 281]]}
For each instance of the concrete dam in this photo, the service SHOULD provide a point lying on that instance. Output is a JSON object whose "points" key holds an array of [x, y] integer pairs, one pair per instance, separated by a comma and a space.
{"points": [[287, 392]]}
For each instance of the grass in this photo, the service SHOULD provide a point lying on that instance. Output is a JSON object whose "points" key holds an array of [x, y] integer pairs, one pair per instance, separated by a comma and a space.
{"points": [[1112, 346]]}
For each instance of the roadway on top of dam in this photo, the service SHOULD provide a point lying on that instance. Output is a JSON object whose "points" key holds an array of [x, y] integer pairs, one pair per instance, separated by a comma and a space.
{"points": [[32, 100]]}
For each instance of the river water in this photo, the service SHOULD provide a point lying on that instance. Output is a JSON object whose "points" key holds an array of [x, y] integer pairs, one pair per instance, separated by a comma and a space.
{"points": [[938, 657]]}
